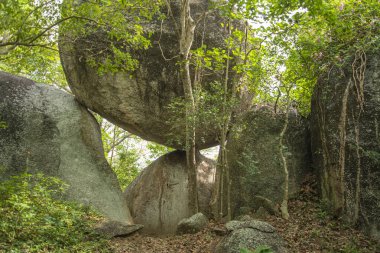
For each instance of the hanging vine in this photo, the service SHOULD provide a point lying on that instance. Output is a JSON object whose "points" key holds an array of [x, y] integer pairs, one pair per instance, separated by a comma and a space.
{"points": [[358, 73]]}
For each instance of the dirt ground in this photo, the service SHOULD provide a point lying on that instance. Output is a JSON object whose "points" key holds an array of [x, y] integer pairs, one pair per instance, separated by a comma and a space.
{"points": [[309, 229]]}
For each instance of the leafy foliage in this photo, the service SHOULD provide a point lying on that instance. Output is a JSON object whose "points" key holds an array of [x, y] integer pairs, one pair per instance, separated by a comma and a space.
{"points": [[121, 21], [28, 35], [119, 151], [303, 39], [294, 40], [127, 153], [156, 150], [35, 219], [129, 160], [3, 124], [126, 165]]}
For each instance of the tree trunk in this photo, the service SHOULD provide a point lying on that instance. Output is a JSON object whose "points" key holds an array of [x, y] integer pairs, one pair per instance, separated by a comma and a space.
{"points": [[186, 41], [222, 180], [226, 121]]}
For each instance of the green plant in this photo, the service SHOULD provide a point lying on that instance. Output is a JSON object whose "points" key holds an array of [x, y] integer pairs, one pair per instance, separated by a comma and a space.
{"points": [[259, 249], [324, 210], [126, 166], [351, 248], [322, 214], [34, 218], [249, 163], [3, 124]]}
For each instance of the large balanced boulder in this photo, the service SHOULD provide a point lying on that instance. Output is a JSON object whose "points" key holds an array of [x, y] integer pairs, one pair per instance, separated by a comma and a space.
{"points": [[345, 123], [48, 131], [250, 235], [159, 197], [138, 101], [257, 170]]}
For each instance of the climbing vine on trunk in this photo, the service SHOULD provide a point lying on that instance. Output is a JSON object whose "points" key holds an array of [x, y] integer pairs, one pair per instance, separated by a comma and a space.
{"points": [[282, 147]]}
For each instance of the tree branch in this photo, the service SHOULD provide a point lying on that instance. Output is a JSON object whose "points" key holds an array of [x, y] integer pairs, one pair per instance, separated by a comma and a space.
{"points": [[119, 142], [30, 41]]}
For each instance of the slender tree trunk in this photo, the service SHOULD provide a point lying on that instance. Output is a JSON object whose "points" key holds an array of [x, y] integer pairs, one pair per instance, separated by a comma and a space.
{"points": [[113, 145], [220, 202], [186, 41], [226, 121], [216, 193], [284, 204]]}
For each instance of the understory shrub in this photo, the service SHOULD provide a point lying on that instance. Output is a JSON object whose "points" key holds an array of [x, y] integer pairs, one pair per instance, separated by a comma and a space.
{"points": [[35, 218]]}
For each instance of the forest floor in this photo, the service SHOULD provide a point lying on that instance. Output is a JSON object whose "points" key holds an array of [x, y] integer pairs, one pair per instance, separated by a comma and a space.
{"points": [[309, 229]]}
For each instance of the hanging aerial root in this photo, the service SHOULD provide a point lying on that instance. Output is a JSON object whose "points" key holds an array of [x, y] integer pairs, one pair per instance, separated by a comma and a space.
{"points": [[358, 73]]}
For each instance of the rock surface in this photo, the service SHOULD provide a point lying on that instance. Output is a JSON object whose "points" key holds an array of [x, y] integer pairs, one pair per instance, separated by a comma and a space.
{"points": [[250, 235], [112, 228], [257, 172], [138, 101], [158, 197], [346, 141], [255, 224], [192, 224], [48, 131]]}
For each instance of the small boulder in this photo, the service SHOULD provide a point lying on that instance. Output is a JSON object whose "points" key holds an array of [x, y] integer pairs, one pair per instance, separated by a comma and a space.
{"points": [[112, 228], [250, 235], [193, 224]]}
